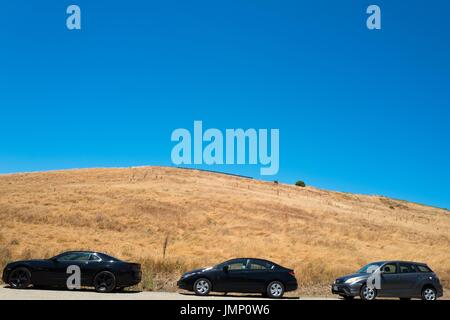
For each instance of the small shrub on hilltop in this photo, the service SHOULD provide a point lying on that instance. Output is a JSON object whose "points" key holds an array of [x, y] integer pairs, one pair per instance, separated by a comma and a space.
{"points": [[300, 184]]}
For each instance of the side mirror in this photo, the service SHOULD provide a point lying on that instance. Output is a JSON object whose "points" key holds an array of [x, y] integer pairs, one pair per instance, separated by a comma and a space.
{"points": [[225, 268]]}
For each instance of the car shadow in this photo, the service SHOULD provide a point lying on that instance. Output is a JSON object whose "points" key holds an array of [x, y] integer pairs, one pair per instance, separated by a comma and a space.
{"points": [[78, 290], [241, 296]]}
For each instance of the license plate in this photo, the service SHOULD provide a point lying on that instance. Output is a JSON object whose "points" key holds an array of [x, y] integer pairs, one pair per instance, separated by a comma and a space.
{"points": [[335, 288]]}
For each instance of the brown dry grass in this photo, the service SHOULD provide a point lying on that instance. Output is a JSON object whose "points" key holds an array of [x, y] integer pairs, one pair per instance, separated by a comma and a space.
{"points": [[207, 218]]}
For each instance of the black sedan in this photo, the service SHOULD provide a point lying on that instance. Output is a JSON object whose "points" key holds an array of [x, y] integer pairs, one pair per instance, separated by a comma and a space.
{"points": [[243, 275], [98, 270]]}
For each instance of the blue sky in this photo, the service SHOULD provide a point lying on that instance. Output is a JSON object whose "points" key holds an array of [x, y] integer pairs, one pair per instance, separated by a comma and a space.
{"points": [[358, 110]]}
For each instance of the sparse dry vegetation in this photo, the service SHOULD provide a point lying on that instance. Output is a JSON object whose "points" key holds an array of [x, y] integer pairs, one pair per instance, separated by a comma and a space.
{"points": [[171, 220]]}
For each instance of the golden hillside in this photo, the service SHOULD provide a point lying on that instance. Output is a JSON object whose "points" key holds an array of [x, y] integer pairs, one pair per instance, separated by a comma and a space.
{"points": [[207, 217]]}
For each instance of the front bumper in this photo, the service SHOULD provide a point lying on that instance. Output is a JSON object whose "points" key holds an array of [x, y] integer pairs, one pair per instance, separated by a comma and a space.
{"points": [[5, 275], [343, 289], [184, 285]]}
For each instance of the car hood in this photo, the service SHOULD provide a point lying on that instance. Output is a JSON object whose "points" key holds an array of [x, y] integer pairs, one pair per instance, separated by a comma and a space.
{"points": [[32, 262], [195, 271], [362, 276]]}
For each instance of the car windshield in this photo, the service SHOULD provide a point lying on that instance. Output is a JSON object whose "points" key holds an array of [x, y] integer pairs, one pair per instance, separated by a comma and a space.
{"points": [[370, 268]]}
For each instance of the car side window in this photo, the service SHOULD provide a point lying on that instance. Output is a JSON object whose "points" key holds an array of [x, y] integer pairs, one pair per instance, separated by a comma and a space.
{"points": [[407, 268], [237, 265], [74, 256], [257, 266], [94, 257], [389, 268], [423, 269], [260, 265]]}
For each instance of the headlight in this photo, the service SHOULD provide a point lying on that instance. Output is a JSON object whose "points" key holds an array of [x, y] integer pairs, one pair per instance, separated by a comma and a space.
{"points": [[353, 280]]}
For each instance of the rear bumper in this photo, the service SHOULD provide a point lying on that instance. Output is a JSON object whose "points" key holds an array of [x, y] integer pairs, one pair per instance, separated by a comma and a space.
{"points": [[439, 291], [291, 286], [129, 279]]}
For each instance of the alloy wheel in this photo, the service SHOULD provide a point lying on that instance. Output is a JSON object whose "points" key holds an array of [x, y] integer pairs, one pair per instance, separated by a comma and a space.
{"points": [[202, 287], [369, 294], [276, 290], [429, 294], [20, 278], [105, 282]]}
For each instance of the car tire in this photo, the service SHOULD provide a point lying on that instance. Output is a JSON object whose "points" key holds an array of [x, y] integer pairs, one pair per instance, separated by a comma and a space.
{"points": [[275, 290], [429, 294], [202, 287], [105, 282], [368, 294], [19, 278]]}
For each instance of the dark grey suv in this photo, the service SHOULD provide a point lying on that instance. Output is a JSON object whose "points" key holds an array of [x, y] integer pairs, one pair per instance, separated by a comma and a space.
{"points": [[400, 279]]}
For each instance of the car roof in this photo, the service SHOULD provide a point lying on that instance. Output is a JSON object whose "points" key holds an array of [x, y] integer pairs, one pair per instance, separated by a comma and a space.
{"points": [[79, 251], [83, 251], [256, 259], [400, 261]]}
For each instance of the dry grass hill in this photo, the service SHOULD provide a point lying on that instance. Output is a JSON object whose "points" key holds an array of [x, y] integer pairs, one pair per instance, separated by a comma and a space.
{"points": [[205, 218]]}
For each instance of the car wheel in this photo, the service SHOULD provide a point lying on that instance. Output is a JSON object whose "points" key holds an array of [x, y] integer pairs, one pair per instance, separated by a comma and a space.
{"points": [[368, 294], [104, 282], [429, 294], [202, 287], [20, 278], [275, 290]]}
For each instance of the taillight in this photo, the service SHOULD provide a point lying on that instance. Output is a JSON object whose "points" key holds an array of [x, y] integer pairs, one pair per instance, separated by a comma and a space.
{"points": [[292, 273]]}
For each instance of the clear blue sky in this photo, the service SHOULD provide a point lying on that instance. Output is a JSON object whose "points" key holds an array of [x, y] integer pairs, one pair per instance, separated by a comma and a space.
{"points": [[358, 110]]}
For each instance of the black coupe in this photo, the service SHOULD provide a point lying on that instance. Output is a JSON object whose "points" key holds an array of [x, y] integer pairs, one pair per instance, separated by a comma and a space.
{"points": [[243, 276], [98, 270]]}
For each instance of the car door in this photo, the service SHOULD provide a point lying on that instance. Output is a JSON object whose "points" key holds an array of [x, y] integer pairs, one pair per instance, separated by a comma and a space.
{"points": [[259, 275], [90, 268], [407, 279], [389, 280], [64, 261], [236, 276], [43, 274]]}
